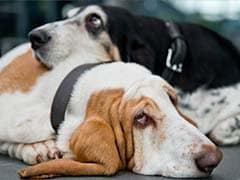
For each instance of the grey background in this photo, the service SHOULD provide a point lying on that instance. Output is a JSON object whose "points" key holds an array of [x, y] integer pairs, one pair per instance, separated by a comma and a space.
{"points": [[229, 169]]}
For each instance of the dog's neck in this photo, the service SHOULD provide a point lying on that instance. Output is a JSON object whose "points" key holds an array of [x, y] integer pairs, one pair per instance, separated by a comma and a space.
{"points": [[64, 92]]}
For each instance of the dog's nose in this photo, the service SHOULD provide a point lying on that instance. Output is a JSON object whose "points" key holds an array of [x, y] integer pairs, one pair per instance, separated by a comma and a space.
{"points": [[39, 38], [208, 159]]}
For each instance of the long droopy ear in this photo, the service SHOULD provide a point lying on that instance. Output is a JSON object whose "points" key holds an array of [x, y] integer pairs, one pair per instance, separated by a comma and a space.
{"points": [[173, 96], [93, 144]]}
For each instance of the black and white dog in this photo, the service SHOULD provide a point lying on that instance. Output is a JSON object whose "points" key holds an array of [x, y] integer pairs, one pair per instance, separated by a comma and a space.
{"points": [[207, 77]]}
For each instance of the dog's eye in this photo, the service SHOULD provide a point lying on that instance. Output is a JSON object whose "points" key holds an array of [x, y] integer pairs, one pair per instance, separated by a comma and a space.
{"points": [[93, 22], [142, 120]]}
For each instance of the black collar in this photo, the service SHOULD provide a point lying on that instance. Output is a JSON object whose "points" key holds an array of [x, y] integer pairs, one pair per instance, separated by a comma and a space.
{"points": [[176, 53], [63, 94]]}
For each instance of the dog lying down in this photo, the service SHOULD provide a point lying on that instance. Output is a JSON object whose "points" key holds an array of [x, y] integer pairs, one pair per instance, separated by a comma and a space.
{"points": [[207, 95], [120, 116]]}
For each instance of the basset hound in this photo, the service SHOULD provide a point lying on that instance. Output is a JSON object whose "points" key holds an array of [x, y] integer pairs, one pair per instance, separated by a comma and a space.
{"points": [[119, 116], [204, 67]]}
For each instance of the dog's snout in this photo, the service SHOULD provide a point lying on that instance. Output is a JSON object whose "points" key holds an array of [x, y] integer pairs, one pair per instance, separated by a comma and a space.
{"points": [[207, 160], [39, 38]]}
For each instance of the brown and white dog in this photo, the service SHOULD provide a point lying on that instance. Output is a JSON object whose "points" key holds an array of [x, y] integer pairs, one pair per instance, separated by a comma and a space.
{"points": [[119, 116]]}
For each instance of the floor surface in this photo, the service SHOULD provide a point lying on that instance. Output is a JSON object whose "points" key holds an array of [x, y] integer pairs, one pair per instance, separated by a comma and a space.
{"points": [[229, 169]]}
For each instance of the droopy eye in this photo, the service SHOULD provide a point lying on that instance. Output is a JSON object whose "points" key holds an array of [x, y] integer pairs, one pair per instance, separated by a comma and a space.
{"points": [[93, 22], [142, 120]]}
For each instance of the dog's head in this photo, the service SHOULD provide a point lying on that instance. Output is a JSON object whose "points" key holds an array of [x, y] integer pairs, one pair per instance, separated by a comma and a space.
{"points": [[97, 32], [167, 142], [142, 129]]}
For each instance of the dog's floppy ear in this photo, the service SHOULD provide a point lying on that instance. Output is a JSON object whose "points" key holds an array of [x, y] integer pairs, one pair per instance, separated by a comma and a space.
{"points": [[93, 144], [173, 96], [171, 92], [139, 51], [94, 141]]}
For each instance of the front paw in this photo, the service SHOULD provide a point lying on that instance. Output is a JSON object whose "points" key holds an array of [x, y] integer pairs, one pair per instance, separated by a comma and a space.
{"points": [[39, 152], [23, 173]]}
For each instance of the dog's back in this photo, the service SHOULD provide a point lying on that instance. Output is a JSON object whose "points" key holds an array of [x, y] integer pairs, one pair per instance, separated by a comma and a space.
{"points": [[211, 60]]}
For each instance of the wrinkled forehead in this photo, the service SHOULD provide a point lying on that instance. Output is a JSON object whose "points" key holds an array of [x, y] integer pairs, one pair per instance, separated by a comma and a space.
{"points": [[82, 12], [152, 87]]}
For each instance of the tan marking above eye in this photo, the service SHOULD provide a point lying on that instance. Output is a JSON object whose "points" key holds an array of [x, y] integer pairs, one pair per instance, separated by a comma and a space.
{"points": [[111, 51]]}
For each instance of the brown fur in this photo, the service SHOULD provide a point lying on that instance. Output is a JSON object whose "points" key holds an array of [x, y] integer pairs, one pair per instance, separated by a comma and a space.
{"points": [[21, 74], [114, 53], [103, 143]]}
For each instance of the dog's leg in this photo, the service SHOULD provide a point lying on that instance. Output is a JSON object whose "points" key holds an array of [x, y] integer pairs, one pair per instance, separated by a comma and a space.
{"points": [[31, 153], [227, 132], [103, 160], [63, 167]]}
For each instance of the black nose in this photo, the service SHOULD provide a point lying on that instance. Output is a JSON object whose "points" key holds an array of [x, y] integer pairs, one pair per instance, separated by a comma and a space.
{"points": [[39, 38], [208, 159]]}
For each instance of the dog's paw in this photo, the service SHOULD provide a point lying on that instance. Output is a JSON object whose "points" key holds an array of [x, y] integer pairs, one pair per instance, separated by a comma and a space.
{"points": [[23, 173], [227, 133], [39, 152]]}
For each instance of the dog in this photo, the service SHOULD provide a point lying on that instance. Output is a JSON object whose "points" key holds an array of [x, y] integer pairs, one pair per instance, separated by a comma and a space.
{"points": [[119, 116], [207, 78], [135, 114]]}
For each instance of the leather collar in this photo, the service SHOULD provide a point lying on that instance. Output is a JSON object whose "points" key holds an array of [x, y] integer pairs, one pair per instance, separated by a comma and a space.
{"points": [[176, 53], [63, 94]]}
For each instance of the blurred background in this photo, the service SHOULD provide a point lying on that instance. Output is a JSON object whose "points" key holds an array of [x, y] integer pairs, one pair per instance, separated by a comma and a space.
{"points": [[18, 17]]}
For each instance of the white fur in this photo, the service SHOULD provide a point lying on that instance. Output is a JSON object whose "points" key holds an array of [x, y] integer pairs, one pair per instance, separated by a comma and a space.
{"points": [[197, 104], [31, 153], [227, 132], [70, 39]]}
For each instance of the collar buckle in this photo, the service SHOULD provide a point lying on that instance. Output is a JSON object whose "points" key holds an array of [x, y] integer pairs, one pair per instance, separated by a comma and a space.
{"points": [[174, 66]]}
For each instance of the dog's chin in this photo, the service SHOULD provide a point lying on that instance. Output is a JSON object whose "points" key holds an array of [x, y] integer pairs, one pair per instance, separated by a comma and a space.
{"points": [[42, 58]]}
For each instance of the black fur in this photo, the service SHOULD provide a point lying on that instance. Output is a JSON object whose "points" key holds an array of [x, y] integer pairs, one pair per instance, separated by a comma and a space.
{"points": [[212, 61]]}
